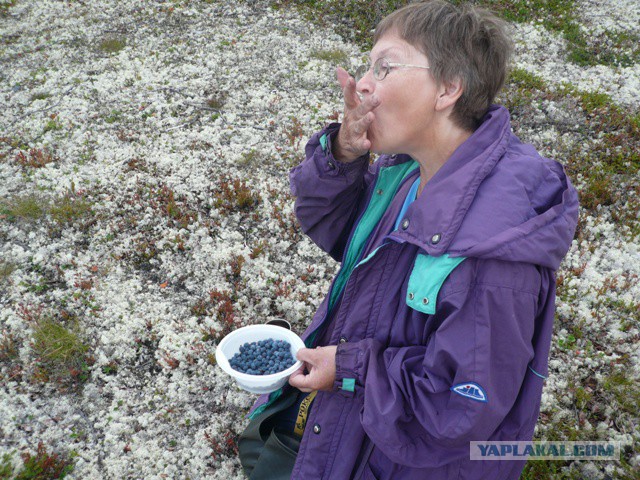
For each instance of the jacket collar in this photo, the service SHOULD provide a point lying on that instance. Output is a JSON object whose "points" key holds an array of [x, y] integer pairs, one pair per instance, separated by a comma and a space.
{"points": [[435, 217]]}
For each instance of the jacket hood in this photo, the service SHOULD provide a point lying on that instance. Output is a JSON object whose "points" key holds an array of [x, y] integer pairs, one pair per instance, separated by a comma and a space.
{"points": [[494, 198]]}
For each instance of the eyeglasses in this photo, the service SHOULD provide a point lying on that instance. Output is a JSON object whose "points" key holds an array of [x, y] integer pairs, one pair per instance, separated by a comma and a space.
{"points": [[381, 69]]}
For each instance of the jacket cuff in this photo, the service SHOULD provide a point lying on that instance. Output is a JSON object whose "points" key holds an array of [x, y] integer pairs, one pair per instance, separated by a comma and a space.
{"points": [[327, 164], [350, 371]]}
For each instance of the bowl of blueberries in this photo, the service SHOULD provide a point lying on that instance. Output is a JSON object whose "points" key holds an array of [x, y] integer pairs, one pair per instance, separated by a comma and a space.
{"points": [[260, 357]]}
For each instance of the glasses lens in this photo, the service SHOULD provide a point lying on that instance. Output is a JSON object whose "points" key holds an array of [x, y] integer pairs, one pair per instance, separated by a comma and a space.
{"points": [[380, 68], [361, 72]]}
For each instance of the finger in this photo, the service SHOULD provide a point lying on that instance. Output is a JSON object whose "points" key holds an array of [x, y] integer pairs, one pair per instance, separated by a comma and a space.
{"points": [[294, 375], [300, 381], [351, 99], [368, 104], [343, 77], [361, 126], [306, 355]]}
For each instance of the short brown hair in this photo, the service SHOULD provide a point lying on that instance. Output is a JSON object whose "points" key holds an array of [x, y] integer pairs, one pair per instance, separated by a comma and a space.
{"points": [[464, 42]]}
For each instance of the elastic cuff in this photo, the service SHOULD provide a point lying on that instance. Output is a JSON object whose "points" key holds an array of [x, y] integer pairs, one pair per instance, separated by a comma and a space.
{"points": [[327, 163]]}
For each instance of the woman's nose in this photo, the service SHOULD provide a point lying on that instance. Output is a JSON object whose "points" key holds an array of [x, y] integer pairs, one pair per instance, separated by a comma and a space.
{"points": [[365, 85]]}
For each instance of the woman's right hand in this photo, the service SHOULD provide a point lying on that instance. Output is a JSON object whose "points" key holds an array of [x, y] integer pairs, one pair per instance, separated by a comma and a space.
{"points": [[352, 141]]}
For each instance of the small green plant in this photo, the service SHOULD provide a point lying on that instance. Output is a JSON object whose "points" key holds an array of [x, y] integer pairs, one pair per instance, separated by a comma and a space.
{"points": [[537, 470], [61, 353], [41, 466], [164, 200], [69, 208], [235, 195], [142, 253], [250, 159], [40, 96], [28, 207], [112, 45], [568, 343], [35, 158], [8, 348], [113, 117], [294, 132], [222, 302], [525, 79], [334, 56], [53, 124], [590, 100], [225, 446], [6, 466], [110, 368], [6, 269], [136, 164], [624, 390], [598, 191]]}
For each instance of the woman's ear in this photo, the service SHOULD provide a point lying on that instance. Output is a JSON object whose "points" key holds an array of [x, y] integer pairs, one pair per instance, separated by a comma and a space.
{"points": [[448, 94]]}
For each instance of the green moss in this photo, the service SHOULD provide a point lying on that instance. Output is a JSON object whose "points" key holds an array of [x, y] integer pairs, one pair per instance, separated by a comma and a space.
{"points": [[6, 466], [625, 392], [522, 78], [234, 195], [598, 191], [590, 100], [556, 470], [40, 96], [609, 48], [52, 125], [8, 348], [334, 56], [112, 45], [61, 353], [6, 269], [250, 159], [65, 210], [113, 117], [29, 207]]}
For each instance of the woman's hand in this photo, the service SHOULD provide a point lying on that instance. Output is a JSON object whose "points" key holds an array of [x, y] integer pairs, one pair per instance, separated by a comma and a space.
{"points": [[320, 362], [352, 141]]}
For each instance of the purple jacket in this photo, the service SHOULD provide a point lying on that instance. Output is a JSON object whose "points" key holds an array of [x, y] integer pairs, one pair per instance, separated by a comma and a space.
{"points": [[443, 326]]}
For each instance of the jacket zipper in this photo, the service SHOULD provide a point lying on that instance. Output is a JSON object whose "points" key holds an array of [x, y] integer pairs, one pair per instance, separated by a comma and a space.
{"points": [[359, 258], [346, 249]]}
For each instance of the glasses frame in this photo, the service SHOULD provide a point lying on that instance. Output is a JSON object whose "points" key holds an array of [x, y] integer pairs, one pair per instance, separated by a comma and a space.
{"points": [[382, 71]]}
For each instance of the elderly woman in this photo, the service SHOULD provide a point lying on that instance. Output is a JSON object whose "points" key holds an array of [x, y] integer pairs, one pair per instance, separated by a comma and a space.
{"points": [[436, 330]]}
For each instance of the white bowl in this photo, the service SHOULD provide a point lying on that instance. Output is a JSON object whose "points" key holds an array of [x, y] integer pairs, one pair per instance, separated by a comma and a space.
{"points": [[230, 345]]}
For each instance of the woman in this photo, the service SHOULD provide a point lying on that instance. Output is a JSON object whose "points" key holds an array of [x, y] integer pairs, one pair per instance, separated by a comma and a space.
{"points": [[436, 331]]}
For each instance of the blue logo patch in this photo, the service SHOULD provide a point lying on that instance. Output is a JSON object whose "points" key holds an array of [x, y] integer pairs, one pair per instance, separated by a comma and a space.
{"points": [[470, 390]]}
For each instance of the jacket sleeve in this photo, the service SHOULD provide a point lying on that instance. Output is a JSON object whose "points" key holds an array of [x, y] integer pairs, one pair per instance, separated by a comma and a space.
{"points": [[328, 192], [410, 410]]}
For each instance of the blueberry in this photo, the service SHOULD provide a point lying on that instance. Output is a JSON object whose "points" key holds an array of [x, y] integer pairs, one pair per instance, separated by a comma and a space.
{"points": [[263, 357]]}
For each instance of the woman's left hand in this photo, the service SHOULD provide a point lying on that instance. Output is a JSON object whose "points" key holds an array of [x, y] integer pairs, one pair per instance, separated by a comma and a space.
{"points": [[320, 362]]}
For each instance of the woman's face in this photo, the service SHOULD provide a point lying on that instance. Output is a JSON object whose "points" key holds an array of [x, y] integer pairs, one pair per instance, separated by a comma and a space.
{"points": [[407, 98]]}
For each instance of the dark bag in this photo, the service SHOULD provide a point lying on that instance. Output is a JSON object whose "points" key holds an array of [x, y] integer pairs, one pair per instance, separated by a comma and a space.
{"points": [[267, 452]]}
